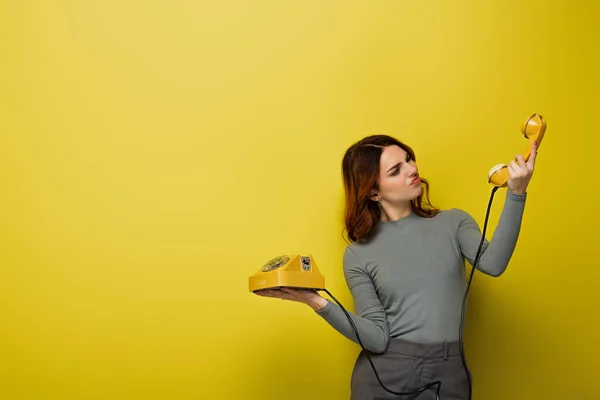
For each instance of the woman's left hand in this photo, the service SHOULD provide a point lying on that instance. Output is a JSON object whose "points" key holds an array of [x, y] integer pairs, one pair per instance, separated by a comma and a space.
{"points": [[519, 174]]}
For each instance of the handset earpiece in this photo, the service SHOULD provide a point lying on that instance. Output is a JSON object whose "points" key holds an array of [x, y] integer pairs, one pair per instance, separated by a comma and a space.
{"points": [[533, 129]]}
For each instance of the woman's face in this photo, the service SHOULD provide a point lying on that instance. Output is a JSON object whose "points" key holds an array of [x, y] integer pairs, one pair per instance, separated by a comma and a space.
{"points": [[398, 176]]}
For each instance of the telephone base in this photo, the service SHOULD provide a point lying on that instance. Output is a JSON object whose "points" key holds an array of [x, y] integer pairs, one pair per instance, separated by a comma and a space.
{"points": [[293, 271]]}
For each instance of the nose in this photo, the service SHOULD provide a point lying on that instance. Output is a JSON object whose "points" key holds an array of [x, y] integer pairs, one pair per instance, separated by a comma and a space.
{"points": [[413, 170]]}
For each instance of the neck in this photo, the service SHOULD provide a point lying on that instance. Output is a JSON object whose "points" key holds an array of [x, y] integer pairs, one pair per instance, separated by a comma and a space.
{"points": [[393, 212]]}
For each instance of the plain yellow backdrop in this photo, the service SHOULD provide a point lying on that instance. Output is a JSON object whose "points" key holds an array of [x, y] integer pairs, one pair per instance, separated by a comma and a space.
{"points": [[155, 154]]}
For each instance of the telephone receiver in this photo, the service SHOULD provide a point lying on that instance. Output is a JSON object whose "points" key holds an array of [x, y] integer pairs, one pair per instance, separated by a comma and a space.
{"points": [[533, 129]]}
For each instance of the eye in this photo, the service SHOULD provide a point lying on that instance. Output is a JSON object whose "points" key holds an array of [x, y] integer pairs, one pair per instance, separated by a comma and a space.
{"points": [[395, 171]]}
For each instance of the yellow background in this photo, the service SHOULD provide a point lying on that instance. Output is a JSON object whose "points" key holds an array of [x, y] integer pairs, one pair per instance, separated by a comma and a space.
{"points": [[156, 154]]}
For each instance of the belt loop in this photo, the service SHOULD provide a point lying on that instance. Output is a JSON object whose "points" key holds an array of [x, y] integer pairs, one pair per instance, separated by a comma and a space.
{"points": [[445, 350]]}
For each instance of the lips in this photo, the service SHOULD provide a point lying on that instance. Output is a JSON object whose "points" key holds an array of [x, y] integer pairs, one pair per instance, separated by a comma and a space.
{"points": [[415, 181]]}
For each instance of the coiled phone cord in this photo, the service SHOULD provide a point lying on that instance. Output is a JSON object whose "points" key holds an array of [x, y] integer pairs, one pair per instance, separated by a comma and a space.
{"points": [[462, 320]]}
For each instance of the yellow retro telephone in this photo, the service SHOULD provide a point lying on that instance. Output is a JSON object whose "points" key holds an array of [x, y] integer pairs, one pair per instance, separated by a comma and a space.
{"points": [[294, 271], [533, 129], [300, 271]]}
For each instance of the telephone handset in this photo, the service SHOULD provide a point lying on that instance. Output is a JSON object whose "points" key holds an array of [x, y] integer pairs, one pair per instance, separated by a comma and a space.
{"points": [[533, 129]]}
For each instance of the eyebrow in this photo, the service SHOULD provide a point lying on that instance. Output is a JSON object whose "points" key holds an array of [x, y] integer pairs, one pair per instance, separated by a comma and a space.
{"points": [[395, 166], [398, 164]]}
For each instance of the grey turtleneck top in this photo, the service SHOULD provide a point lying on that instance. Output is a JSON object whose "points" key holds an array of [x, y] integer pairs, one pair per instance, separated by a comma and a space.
{"points": [[408, 280]]}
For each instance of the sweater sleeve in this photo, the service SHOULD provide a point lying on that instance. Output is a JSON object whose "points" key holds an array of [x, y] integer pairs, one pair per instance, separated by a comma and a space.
{"points": [[496, 253], [370, 318]]}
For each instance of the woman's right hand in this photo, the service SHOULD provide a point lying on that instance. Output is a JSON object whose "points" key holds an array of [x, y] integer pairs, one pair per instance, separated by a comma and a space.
{"points": [[306, 296]]}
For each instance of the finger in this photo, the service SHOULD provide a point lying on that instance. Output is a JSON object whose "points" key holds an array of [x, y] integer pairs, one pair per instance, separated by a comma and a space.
{"points": [[511, 171], [271, 293], [283, 294], [533, 155], [286, 296], [292, 292], [516, 170], [521, 161]]}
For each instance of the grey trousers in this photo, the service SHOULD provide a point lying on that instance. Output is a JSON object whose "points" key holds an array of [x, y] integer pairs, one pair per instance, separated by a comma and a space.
{"points": [[407, 366]]}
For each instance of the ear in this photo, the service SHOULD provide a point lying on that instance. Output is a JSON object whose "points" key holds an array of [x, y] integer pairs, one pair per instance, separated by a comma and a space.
{"points": [[374, 195]]}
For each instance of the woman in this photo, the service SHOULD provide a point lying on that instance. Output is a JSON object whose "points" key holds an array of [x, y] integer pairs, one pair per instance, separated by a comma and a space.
{"points": [[405, 270]]}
